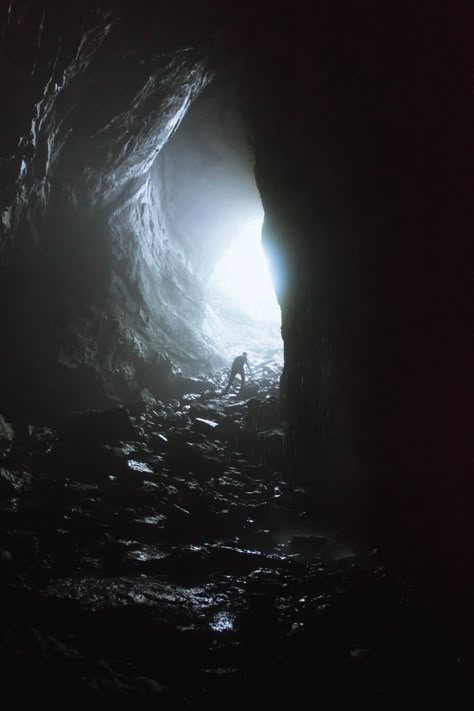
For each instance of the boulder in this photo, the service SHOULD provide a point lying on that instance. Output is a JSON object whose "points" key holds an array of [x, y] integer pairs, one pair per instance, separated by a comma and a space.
{"points": [[6, 432]]}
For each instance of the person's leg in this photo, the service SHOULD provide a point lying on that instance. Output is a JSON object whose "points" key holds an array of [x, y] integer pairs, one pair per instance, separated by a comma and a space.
{"points": [[231, 380], [242, 379]]}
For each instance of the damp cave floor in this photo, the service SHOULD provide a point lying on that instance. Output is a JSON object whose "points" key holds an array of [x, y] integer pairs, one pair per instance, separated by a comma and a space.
{"points": [[162, 556]]}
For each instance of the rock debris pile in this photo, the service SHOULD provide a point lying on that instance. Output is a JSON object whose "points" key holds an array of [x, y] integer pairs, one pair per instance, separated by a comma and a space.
{"points": [[164, 554]]}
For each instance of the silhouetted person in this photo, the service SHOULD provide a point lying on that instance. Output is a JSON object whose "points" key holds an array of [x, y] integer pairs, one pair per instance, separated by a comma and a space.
{"points": [[238, 369]]}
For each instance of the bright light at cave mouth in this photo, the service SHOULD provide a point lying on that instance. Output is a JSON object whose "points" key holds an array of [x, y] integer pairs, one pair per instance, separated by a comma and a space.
{"points": [[242, 277]]}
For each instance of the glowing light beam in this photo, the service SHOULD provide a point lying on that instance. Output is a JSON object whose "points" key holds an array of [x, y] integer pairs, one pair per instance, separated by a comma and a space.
{"points": [[242, 276]]}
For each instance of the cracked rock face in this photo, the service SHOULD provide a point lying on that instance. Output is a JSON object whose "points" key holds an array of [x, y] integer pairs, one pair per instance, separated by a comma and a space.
{"points": [[93, 284]]}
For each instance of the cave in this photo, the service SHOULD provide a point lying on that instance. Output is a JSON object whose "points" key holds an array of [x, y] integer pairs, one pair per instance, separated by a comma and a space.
{"points": [[182, 183]]}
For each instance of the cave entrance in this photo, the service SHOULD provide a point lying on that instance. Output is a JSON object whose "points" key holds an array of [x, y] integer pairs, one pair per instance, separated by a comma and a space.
{"points": [[240, 293], [212, 216]]}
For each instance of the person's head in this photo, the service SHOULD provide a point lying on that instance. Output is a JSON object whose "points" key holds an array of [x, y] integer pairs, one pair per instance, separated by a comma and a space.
{"points": [[244, 354]]}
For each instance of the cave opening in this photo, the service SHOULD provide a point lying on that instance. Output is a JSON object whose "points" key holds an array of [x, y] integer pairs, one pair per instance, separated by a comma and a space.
{"points": [[210, 215], [241, 294]]}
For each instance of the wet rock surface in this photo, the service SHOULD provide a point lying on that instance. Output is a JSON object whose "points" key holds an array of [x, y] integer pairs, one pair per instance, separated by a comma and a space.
{"points": [[164, 555]]}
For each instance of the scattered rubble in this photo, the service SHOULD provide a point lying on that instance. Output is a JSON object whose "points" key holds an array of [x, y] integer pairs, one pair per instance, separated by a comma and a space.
{"points": [[158, 556]]}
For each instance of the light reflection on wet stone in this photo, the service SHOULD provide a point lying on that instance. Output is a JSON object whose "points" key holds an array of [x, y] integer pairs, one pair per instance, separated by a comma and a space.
{"points": [[222, 622]]}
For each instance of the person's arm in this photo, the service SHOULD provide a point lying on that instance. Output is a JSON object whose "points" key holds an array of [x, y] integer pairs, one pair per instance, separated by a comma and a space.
{"points": [[248, 366]]}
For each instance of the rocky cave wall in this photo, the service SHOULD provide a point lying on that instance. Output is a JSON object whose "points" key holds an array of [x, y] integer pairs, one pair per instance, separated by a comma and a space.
{"points": [[361, 120], [101, 272], [362, 137]]}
